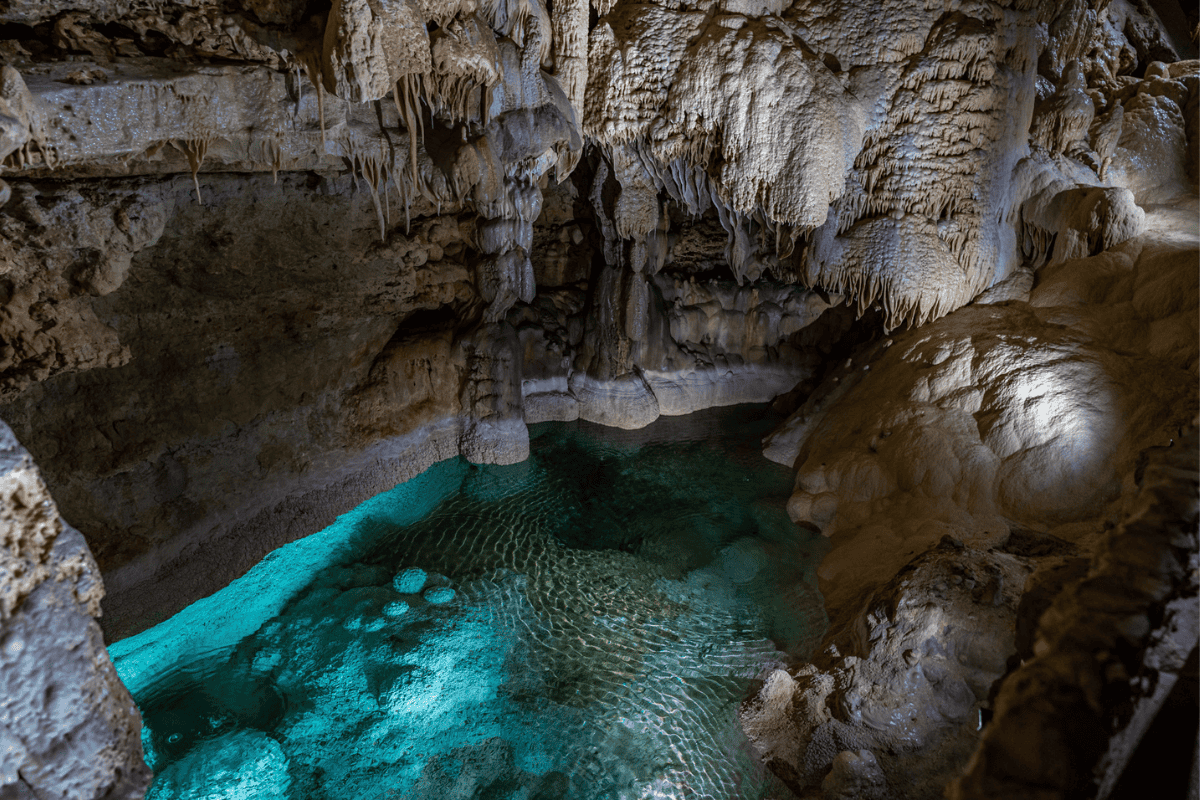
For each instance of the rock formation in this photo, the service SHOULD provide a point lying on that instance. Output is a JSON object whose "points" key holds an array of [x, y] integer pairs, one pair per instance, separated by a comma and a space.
{"points": [[1016, 430], [261, 260], [68, 727]]}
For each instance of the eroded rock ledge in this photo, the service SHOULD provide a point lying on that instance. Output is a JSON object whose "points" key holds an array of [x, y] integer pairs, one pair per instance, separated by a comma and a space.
{"points": [[972, 430], [1107, 655]]}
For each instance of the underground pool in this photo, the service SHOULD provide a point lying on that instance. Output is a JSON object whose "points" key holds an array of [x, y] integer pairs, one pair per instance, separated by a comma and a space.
{"points": [[579, 626]]}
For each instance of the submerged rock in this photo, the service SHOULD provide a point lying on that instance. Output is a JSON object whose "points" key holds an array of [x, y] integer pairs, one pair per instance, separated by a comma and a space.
{"points": [[439, 596], [240, 766], [410, 581]]}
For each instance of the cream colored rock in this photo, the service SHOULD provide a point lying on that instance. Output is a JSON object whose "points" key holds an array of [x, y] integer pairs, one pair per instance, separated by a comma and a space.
{"points": [[1151, 157], [697, 108], [1002, 413], [371, 45], [948, 129], [626, 401], [742, 320], [900, 263], [1133, 614], [570, 26], [1061, 122], [848, 31], [18, 115], [1015, 287], [464, 69], [496, 431], [18, 121], [144, 116], [1063, 219]]}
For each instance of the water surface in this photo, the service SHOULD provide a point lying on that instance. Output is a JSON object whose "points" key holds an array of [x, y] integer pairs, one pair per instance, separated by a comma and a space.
{"points": [[580, 626]]}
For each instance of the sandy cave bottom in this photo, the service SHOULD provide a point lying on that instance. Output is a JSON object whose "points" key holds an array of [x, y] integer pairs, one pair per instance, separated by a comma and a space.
{"points": [[581, 625]]}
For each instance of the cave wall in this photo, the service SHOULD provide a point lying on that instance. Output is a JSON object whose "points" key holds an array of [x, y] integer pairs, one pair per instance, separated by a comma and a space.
{"points": [[262, 260], [267, 345]]}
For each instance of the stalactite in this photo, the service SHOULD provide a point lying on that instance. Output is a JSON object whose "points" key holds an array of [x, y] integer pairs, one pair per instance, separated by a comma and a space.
{"points": [[407, 99], [321, 114], [194, 150]]}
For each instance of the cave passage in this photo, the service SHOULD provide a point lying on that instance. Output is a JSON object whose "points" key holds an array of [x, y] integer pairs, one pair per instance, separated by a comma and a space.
{"points": [[580, 625]]}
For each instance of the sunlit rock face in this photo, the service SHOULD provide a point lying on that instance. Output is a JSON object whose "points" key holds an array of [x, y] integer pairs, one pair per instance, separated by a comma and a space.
{"points": [[261, 260]]}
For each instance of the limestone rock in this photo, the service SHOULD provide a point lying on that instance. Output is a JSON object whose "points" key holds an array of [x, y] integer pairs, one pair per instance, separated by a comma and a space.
{"points": [[496, 432], [1151, 157], [68, 727], [894, 691], [370, 45], [1063, 222], [1061, 121], [59, 249], [1055, 714], [855, 774], [976, 440], [941, 138], [201, 383]]}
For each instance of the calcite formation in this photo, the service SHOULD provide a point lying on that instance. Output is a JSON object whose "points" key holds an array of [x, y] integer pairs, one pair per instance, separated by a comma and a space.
{"points": [[260, 260], [1027, 431], [1127, 628]]}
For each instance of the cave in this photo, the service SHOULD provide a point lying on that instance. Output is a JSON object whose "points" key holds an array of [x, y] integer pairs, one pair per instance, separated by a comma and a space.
{"points": [[561, 401]]}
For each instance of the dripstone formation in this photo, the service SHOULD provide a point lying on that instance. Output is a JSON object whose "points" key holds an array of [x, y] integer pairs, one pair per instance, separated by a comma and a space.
{"points": [[262, 259]]}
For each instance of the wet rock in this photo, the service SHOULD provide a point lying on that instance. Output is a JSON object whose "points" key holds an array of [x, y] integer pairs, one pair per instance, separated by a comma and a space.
{"points": [[855, 774]]}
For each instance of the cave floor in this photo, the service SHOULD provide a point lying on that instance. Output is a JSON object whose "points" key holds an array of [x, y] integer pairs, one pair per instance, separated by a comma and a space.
{"points": [[580, 625]]}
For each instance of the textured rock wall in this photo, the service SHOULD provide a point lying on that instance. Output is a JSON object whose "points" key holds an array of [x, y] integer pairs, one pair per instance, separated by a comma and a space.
{"points": [[1106, 657], [68, 727], [272, 344], [888, 708], [735, 159]]}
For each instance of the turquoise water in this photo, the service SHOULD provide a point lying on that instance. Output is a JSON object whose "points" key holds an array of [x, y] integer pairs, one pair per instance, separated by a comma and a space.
{"points": [[580, 626]]}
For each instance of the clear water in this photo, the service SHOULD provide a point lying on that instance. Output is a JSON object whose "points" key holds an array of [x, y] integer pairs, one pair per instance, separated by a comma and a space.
{"points": [[583, 625]]}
